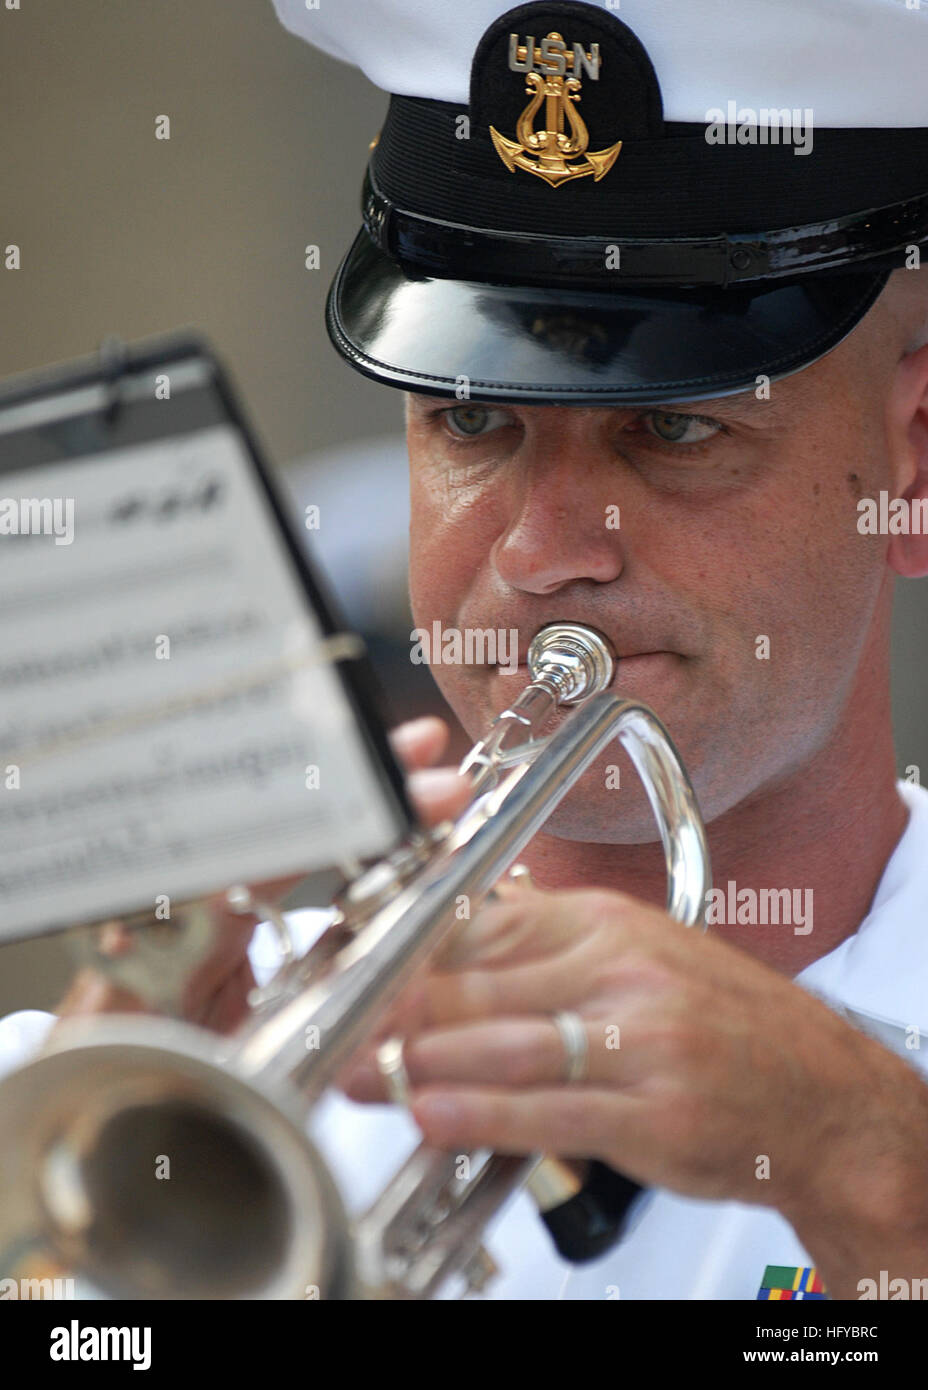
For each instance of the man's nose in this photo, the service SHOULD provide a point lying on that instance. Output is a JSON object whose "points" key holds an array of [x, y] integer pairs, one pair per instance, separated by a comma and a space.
{"points": [[563, 525]]}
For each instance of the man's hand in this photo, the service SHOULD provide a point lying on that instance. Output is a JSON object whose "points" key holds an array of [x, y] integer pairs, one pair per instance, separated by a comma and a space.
{"points": [[708, 1072]]}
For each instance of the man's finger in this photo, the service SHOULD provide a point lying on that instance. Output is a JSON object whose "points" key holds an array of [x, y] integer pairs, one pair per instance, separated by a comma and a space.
{"points": [[585, 1120], [228, 1006], [93, 993], [519, 925], [468, 996], [438, 794], [514, 1052], [419, 742]]}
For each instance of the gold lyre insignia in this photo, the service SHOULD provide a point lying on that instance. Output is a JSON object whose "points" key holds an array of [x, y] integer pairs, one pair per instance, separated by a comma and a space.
{"points": [[552, 153]]}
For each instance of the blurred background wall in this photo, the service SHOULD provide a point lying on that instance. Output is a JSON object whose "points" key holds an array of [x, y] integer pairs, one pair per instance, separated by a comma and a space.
{"points": [[122, 232]]}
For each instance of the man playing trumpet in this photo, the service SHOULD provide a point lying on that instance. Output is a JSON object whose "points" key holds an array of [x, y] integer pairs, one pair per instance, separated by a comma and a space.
{"points": [[647, 392]]}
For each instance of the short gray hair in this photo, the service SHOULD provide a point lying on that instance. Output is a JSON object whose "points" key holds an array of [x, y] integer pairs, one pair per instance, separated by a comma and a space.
{"points": [[921, 335], [920, 340]]}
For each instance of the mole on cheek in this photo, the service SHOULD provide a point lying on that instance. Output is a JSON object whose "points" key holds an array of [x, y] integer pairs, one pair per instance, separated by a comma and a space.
{"points": [[854, 486]]}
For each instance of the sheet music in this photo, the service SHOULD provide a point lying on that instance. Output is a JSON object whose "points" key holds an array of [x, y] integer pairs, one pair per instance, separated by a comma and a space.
{"points": [[166, 722]]}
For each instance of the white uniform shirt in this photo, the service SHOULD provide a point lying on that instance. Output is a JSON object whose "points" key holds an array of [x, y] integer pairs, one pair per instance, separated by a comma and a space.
{"points": [[676, 1247]]}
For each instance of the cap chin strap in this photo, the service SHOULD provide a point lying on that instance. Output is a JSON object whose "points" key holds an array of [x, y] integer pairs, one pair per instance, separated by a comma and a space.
{"points": [[872, 240]]}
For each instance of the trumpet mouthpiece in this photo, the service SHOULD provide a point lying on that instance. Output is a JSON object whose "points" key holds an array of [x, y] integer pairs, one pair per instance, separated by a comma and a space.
{"points": [[580, 660]]}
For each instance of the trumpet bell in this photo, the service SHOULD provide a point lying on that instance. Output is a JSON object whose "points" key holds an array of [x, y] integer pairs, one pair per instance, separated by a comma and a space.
{"points": [[139, 1165]]}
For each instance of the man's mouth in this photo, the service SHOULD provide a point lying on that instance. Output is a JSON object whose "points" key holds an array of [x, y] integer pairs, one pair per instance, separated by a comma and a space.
{"points": [[652, 677]]}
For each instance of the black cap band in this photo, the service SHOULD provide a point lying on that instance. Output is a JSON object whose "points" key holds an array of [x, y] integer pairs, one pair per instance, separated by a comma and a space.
{"points": [[879, 236]]}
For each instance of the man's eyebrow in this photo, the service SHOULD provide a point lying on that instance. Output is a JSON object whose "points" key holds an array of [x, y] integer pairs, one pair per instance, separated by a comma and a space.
{"points": [[421, 400], [745, 405]]}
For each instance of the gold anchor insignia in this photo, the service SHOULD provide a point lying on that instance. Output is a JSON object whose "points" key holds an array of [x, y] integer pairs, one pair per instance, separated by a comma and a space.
{"points": [[547, 152]]}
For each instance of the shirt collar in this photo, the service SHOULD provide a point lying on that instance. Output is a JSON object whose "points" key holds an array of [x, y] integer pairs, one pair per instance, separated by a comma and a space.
{"points": [[878, 976]]}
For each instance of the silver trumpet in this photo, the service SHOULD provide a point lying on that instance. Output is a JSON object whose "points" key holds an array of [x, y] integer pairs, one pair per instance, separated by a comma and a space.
{"points": [[250, 1209]]}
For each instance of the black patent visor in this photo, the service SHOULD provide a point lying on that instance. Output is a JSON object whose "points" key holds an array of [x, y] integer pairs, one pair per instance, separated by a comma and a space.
{"points": [[571, 346]]}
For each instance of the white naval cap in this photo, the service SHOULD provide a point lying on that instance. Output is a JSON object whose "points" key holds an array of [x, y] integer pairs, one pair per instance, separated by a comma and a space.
{"points": [[566, 205], [855, 63]]}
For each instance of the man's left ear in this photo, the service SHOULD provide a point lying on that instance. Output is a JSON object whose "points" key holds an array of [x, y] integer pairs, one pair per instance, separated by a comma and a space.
{"points": [[908, 437]]}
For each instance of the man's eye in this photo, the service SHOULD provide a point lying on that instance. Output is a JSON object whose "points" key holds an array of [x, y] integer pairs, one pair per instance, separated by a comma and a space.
{"points": [[675, 428], [467, 421]]}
